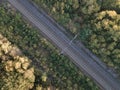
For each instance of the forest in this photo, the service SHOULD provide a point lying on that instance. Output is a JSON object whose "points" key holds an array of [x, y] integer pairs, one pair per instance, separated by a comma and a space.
{"points": [[30, 62], [97, 22]]}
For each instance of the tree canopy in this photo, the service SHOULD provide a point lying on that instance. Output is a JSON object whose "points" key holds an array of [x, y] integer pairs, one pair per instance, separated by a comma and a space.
{"points": [[15, 70]]}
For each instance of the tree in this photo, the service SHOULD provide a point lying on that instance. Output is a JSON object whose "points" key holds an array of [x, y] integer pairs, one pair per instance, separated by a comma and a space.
{"points": [[104, 40], [89, 7], [16, 71], [111, 5]]}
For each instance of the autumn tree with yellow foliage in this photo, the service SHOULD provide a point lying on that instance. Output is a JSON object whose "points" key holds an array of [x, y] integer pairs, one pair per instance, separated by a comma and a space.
{"points": [[15, 70]]}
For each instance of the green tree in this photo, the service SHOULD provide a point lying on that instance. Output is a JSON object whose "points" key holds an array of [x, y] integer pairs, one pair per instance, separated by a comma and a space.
{"points": [[104, 40], [89, 6], [111, 5]]}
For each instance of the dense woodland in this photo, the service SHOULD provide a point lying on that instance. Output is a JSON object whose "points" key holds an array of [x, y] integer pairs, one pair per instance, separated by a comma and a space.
{"points": [[96, 21], [29, 62]]}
